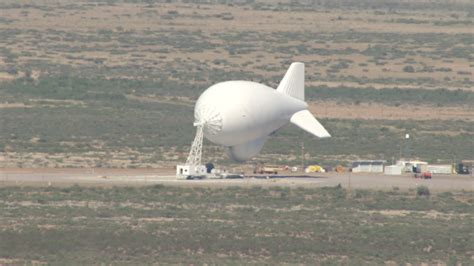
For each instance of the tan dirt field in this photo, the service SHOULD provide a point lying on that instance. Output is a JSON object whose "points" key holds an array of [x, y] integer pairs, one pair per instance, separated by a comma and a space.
{"points": [[85, 19], [330, 109], [95, 35]]}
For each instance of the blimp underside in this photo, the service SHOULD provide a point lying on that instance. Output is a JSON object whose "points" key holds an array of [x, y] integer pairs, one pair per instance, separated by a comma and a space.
{"points": [[242, 114]]}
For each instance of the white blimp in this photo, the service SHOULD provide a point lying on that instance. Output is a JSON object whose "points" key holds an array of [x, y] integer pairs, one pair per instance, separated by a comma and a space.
{"points": [[241, 115]]}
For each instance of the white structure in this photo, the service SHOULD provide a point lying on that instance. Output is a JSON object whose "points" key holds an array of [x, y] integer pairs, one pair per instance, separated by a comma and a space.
{"points": [[441, 169], [368, 166], [183, 171], [242, 114], [193, 166], [408, 166], [393, 170]]}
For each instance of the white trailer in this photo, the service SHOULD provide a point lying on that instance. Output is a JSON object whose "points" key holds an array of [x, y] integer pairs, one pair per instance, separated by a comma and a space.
{"points": [[441, 169], [185, 170]]}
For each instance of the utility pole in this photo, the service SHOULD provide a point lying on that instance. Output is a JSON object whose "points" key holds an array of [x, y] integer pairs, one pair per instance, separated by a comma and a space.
{"points": [[302, 157], [350, 185], [407, 146]]}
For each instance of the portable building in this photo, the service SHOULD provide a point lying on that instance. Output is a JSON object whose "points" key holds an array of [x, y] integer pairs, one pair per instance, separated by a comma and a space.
{"points": [[411, 165], [368, 166], [183, 171], [441, 169], [393, 170]]}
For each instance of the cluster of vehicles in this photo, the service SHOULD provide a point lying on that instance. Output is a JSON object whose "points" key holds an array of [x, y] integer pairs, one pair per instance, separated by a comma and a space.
{"points": [[422, 170]]}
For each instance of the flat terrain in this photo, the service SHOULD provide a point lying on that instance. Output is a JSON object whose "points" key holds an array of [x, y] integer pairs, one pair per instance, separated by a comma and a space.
{"points": [[143, 177], [96, 107], [347, 44], [113, 83], [234, 225]]}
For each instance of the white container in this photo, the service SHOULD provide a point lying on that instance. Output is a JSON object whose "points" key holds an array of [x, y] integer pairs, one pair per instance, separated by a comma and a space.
{"points": [[440, 169], [184, 170], [393, 170], [368, 166]]}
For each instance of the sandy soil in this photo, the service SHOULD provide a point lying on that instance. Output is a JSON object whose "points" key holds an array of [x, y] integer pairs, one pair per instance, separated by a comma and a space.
{"points": [[139, 177], [86, 19], [331, 109]]}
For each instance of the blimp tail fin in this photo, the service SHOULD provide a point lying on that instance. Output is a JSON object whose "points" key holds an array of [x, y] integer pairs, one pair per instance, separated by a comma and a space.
{"points": [[306, 121], [292, 83]]}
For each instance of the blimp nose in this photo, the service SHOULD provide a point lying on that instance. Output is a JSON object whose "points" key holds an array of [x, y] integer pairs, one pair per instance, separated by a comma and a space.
{"points": [[209, 117]]}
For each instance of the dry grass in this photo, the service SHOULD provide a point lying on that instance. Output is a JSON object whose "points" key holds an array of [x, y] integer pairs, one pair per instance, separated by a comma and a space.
{"points": [[228, 225], [331, 109], [140, 19], [196, 45]]}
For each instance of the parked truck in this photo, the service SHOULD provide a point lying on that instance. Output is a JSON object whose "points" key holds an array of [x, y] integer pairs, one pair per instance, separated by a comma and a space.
{"points": [[267, 169], [465, 167]]}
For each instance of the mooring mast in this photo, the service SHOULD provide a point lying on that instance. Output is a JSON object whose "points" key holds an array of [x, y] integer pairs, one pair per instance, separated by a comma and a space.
{"points": [[193, 166], [195, 154]]}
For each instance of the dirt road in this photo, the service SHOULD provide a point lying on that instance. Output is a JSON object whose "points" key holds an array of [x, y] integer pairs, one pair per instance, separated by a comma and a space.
{"points": [[140, 177]]}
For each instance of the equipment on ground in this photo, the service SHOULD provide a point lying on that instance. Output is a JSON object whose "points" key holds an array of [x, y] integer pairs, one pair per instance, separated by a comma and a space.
{"points": [[464, 168], [340, 169], [267, 169], [209, 167], [193, 166], [424, 175], [314, 169]]}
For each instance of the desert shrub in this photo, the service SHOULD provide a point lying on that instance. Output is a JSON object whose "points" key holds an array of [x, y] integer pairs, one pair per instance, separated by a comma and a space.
{"points": [[422, 191], [409, 69]]}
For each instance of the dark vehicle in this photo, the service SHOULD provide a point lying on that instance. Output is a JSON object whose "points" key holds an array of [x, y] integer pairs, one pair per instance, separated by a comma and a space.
{"points": [[464, 168], [234, 177], [195, 177], [209, 167]]}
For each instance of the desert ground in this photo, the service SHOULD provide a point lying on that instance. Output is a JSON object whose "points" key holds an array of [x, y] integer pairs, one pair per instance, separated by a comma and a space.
{"points": [[144, 177], [208, 222], [119, 80], [96, 108]]}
